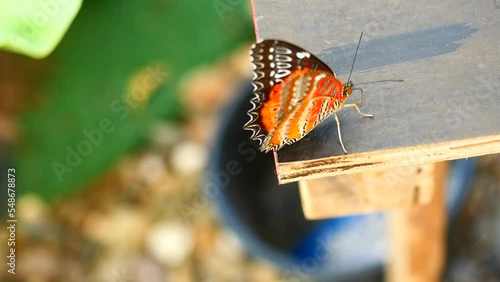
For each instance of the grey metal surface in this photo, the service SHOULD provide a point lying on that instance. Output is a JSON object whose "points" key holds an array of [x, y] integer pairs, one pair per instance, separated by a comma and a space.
{"points": [[447, 52]]}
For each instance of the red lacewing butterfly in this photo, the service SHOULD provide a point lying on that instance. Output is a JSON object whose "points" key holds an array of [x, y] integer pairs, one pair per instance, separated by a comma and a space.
{"points": [[294, 92]]}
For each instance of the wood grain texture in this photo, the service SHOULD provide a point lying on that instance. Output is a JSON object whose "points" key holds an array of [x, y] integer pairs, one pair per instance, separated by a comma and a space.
{"points": [[386, 159], [417, 237], [367, 192], [447, 106]]}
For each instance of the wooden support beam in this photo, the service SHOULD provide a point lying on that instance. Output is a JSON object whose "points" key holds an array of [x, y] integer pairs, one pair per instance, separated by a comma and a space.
{"points": [[367, 192], [417, 217], [417, 236]]}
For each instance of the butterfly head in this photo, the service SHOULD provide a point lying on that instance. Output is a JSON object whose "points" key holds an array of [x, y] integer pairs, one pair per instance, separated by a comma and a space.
{"points": [[348, 85], [347, 89]]}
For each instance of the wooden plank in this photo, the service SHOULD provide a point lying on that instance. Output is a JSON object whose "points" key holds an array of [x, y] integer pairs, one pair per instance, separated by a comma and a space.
{"points": [[417, 237], [367, 192], [386, 159], [447, 106]]}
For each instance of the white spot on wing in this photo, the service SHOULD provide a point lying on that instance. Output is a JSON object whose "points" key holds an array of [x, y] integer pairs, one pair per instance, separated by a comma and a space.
{"points": [[302, 55]]}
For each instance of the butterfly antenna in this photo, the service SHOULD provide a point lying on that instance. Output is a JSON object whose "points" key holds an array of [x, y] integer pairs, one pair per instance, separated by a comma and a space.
{"points": [[379, 81], [355, 54]]}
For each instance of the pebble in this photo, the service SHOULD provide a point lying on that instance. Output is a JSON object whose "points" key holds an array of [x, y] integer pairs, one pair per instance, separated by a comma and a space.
{"points": [[151, 168], [214, 268], [201, 128], [261, 271], [127, 171], [164, 135], [206, 89], [170, 242], [116, 267], [31, 208], [228, 246], [205, 238], [38, 263], [184, 273], [240, 64], [122, 229], [188, 158], [150, 271]]}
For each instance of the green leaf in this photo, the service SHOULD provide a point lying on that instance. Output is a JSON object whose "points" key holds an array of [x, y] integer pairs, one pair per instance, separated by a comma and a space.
{"points": [[35, 27]]}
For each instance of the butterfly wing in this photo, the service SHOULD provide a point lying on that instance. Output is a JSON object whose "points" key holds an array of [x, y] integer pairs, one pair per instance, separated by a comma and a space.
{"points": [[307, 98], [274, 61]]}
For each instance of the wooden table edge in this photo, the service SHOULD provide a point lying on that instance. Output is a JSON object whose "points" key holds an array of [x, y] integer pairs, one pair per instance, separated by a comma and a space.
{"points": [[386, 159]]}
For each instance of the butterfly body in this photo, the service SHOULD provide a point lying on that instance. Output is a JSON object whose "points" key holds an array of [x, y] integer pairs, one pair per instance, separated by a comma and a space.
{"points": [[294, 92]]}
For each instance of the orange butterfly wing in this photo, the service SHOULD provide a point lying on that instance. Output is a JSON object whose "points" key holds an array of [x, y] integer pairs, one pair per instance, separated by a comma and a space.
{"points": [[294, 91]]}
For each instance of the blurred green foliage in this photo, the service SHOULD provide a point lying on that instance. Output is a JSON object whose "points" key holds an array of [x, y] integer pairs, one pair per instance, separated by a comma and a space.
{"points": [[91, 113]]}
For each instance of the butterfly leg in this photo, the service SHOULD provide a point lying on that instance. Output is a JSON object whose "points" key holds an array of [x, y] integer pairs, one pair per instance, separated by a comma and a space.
{"points": [[362, 96], [338, 130], [357, 108]]}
